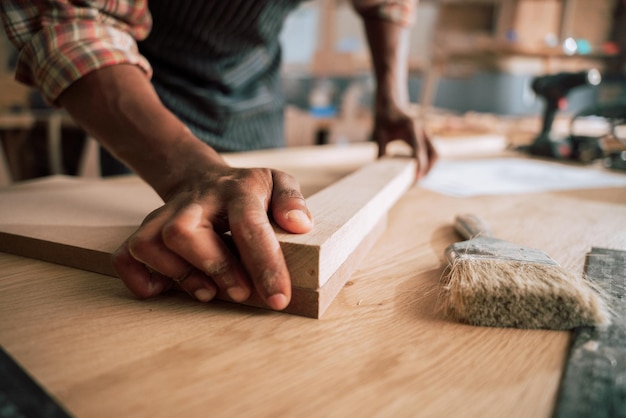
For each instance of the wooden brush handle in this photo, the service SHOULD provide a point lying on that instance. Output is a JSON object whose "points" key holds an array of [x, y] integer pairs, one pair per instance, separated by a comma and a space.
{"points": [[471, 226]]}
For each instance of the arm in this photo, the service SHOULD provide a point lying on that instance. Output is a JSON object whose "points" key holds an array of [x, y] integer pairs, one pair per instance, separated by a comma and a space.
{"points": [[387, 29], [203, 197]]}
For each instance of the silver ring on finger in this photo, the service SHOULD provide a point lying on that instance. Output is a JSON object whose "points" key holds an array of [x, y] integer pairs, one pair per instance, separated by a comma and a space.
{"points": [[179, 281]]}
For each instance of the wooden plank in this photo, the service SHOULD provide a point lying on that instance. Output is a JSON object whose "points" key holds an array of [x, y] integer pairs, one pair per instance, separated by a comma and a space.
{"points": [[79, 223], [313, 303], [381, 350], [594, 382], [345, 213]]}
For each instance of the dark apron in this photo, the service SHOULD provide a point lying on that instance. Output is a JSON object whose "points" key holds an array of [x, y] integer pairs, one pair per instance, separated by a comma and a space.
{"points": [[216, 66]]}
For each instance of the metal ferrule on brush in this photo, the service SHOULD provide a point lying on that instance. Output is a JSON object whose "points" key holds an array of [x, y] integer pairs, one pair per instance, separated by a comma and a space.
{"points": [[495, 249]]}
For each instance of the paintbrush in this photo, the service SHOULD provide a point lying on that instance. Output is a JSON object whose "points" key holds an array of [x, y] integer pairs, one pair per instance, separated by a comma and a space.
{"points": [[492, 282]]}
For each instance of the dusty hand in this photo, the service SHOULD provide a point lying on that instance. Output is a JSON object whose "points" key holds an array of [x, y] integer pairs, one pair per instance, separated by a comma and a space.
{"points": [[182, 243], [391, 124]]}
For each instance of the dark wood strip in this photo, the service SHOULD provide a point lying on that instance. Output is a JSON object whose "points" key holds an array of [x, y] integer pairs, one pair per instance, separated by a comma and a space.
{"points": [[594, 381]]}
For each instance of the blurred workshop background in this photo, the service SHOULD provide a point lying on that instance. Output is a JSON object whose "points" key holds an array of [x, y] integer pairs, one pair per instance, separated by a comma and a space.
{"points": [[472, 68]]}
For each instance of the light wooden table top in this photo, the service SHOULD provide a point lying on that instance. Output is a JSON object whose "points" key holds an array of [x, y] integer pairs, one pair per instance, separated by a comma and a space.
{"points": [[380, 350]]}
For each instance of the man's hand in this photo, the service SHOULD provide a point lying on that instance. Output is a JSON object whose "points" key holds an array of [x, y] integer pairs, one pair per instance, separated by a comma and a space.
{"points": [[386, 27], [182, 242], [390, 125]]}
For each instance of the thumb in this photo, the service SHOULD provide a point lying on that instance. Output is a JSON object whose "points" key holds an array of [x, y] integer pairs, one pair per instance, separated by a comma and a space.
{"points": [[381, 140], [288, 206]]}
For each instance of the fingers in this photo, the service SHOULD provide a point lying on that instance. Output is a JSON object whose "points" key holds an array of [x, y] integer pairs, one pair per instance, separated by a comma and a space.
{"points": [[260, 251], [191, 237], [181, 245], [198, 285], [433, 156], [410, 131], [288, 206], [137, 278], [145, 254], [424, 151], [382, 141]]}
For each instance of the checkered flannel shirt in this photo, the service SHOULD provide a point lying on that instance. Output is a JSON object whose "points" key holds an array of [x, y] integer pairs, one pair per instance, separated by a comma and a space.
{"points": [[60, 41]]}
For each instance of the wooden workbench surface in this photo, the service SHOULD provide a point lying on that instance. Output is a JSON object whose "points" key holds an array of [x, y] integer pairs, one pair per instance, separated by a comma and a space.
{"points": [[380, 350]]}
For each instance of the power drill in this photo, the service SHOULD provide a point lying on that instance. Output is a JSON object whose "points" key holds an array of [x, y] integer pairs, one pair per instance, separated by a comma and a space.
{"points": [[554, 89]]}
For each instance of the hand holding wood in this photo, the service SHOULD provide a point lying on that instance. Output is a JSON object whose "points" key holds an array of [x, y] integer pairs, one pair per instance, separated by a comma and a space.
{"points": [[392, 124], [181, 242]]}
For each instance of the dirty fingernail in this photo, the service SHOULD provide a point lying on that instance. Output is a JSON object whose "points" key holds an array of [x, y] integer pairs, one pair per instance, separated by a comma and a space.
{"points": [[238, 294], [277, 301], [204, 295], [297, 215]]}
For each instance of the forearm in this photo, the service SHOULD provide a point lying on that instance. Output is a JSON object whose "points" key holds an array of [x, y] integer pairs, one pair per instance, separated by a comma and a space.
{"points": [[181, 243], [389, 46], [118, 106], [387, 26]]}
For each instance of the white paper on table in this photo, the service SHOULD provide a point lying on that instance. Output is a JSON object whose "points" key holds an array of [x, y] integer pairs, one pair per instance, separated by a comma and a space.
{"points": [[514, 176]]}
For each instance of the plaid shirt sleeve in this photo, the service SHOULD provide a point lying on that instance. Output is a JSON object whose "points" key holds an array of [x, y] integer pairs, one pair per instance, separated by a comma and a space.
{"points": [[60, 41], [397, 11]]}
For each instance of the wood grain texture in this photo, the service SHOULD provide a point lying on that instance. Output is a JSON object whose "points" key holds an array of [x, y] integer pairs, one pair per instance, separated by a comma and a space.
{"points": [[313, 303], [79, 223], [345, 213], [380, 350], [73, 222]]}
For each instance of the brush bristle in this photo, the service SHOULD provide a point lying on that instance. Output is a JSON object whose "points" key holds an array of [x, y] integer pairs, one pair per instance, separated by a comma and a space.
{"points": [[501, 293]]}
